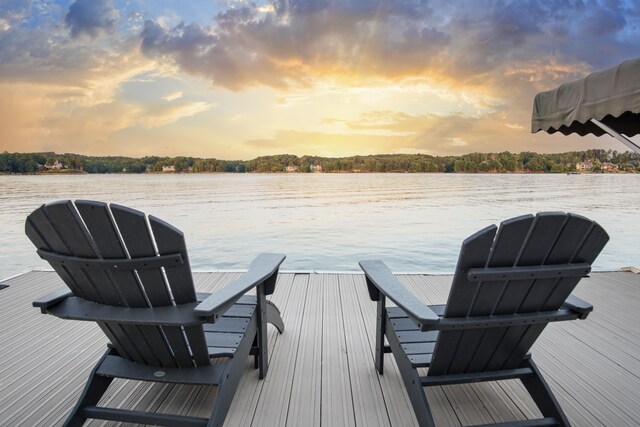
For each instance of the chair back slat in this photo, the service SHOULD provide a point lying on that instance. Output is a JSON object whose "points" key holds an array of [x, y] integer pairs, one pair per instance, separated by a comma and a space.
{"points": [[526, 296], [101, 226], [40, 231], [509, 241], [139, 241], [501, 253], [547, 239], [474, 252], [543, 233], [96, 230], [56, 225], [171, 240]]}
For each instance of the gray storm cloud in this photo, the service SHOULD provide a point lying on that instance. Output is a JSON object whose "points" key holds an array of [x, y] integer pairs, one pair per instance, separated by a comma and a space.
{"points": [[91, 17]]}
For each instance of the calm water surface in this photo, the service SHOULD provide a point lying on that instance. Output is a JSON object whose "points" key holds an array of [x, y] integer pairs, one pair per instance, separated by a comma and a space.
{"points": [[413, 222]]}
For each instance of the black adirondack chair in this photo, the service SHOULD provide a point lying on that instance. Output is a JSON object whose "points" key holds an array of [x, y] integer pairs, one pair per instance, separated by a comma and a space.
{"points": [[130, 274], [506, 288]]}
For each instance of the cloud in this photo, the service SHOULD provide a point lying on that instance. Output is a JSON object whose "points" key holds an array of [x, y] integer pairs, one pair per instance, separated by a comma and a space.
{"points": [[173, 96], [56, 118], [454, 134], [294, 43], [322, 144], [91, 17], [46, 57], [12, 11], [297, 43], [155, 115]]}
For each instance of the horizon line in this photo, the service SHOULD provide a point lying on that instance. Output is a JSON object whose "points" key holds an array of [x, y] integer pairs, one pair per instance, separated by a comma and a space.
{"points": [[311, 155]]}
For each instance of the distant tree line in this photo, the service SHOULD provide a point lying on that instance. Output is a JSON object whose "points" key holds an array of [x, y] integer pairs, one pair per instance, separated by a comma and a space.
{"points": [[504, 162]]}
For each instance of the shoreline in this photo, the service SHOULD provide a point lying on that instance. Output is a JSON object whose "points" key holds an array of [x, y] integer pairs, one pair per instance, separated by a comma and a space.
{"points": [[595, 160], [523, 172], [333, 172]]}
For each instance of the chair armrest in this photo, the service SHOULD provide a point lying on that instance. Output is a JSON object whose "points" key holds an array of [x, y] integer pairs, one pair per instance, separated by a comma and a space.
{"points": [[76, 308], [261, 269], [51, 299], [578, 305], [379, 275]]}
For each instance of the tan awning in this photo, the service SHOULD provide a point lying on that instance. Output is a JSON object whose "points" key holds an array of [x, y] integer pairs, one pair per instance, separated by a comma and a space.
{"points": [[611, 97]]}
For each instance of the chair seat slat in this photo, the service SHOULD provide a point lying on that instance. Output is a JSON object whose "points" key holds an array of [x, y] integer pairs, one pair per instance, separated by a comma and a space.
{"points": [[419, 348]]}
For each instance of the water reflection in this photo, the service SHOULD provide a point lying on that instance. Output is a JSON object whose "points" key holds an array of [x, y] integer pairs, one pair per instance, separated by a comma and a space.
{"points": [[330, 221]]}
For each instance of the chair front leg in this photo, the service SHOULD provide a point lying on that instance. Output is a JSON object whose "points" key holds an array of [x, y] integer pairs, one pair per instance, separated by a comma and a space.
{"points": [[381, 321], [542, 394], [261, 332], [93, 391]]}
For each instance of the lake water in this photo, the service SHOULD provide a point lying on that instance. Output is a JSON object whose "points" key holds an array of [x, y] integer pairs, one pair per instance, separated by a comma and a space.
{"points": [[414, 222]]}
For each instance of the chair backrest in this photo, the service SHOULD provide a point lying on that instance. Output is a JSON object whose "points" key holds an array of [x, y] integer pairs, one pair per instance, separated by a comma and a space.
{"points": [[67, 233], [549, 238]]}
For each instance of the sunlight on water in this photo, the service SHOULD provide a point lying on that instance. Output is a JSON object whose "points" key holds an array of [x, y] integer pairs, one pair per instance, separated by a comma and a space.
{"points": [[330, 221]]}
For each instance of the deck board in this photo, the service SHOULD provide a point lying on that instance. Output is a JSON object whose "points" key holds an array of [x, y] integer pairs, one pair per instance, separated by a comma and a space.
{"points": [[336, 398], [397, 404], [321, 369], [368, 401], [305, 403], [274, 410]]}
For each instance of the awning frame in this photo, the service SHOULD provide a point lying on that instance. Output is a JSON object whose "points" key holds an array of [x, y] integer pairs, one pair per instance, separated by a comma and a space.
{"points": [[620, 137]]}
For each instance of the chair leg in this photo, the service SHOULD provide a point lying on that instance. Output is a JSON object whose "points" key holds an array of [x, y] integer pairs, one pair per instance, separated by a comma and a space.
{"points": [[273, 316], [93, 391], [411, 380], [381, 320], [229, 384], [542, 394], [261, 308], [256, 358]]}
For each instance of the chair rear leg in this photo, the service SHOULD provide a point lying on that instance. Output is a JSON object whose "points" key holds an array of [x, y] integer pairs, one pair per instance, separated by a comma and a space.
{"points": [[542, 394], [93, 391], [229, 383]]}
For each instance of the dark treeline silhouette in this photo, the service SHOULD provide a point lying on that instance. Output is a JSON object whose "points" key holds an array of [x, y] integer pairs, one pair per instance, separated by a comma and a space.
{"points": [[504, 162]]}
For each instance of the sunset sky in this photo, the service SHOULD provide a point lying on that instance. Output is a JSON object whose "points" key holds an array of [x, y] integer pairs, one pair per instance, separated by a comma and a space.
{"points": [[236, 79]]}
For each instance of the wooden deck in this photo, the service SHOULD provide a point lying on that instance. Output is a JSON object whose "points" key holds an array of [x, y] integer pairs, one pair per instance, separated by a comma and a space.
{"points": [[321, 369]]}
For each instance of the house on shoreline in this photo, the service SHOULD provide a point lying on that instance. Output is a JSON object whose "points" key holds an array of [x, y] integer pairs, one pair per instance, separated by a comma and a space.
{"points": [[584, 166], [590, 165], [56, 166]]}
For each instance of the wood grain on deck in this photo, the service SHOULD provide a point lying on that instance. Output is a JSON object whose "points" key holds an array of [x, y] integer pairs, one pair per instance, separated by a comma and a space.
{"points": [[321, 369]]}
